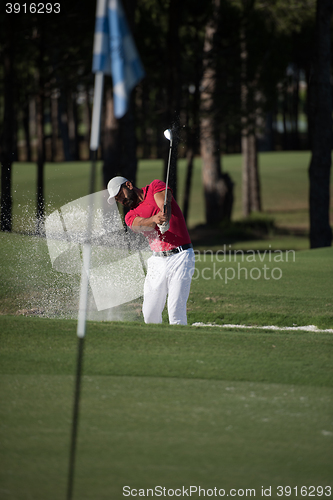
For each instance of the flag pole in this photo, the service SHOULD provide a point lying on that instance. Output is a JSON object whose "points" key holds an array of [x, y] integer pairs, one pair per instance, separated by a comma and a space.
{"points": [[115, 55], [86, 255]]}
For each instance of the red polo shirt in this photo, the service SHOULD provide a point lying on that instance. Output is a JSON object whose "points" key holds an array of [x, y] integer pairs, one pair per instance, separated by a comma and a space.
{"points": [[177, 234]]}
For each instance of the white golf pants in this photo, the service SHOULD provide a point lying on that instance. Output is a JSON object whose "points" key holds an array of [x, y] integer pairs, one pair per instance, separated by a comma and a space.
{"points": [[168, 277]]}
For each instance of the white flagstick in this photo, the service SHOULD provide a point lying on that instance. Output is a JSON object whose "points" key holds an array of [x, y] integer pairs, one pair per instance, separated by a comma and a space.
{"points": [[82, 316], [86, 251], [96, 117], [85, 271]]}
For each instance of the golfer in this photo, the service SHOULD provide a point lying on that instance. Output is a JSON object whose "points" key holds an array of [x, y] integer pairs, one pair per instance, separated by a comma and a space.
{"points": [[171, 267]]}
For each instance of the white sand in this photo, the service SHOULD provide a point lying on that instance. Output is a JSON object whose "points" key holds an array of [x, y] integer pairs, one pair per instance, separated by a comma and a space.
{"points": [[309, 328]]}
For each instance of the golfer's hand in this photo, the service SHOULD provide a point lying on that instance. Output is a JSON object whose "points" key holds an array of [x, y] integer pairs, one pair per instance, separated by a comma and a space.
{"points": [[159, 200], [167, 209], [160, 218], [164, 227]]}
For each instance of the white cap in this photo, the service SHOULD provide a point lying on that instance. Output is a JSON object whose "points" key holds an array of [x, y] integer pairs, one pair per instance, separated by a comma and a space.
{"points": [[114, 187]]}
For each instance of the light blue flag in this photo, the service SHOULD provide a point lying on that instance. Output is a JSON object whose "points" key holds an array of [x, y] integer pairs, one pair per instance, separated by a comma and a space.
{"points": [[115, 53]]}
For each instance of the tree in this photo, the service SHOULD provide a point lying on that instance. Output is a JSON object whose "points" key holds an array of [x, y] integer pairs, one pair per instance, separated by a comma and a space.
{"points": [[110, 139], [321, 113], [192, 45], [7, 132], [251, 196], [174, 85], [218, 187], [180, 50], [40, 100], [119, 137]]}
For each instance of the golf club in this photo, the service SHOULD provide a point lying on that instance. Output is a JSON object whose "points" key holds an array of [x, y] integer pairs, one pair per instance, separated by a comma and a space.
{"points": [[168, 135]]}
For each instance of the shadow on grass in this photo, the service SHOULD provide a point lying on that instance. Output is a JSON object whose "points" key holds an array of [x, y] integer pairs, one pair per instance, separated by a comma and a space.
{"points": [[255, 228]]}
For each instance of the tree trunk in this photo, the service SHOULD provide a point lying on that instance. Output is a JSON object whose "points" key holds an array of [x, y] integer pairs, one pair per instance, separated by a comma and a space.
{"points": [[7, 137], [285, 140], [295, 109], [127, 122], [321, 111], [218, 187], [129, 161], [188, 182], [307, 108], [73, 125], [87, 119], [254, 174], [119, 140], [76, 126], [246, 194], [193, 131], [32, 126], [40, 100], [119, 143], [40, 155], [251, 199], [173, 88], [191, 149], [251, 179], [54, 121], [190, 159], [26, 128], [63, 126], [146, 131], [111, 147]]}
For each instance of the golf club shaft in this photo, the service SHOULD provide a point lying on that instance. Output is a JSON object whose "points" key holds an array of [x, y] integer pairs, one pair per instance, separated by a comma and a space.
{"points": [[167, 178]]}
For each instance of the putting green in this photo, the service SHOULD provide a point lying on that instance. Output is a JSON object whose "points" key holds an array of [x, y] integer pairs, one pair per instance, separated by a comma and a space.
{"points": [[145, 432], [163, 406]]}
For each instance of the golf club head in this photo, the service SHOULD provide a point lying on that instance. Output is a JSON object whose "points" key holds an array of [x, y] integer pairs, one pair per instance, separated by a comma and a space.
{"points": [[168, 134]]}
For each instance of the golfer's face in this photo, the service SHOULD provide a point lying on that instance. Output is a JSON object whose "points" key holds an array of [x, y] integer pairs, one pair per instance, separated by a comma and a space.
{"points": [[126, 197]]}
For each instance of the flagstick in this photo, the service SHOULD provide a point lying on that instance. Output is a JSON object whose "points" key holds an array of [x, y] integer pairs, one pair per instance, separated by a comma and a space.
{"points": [[86, 254], [75, 418]]}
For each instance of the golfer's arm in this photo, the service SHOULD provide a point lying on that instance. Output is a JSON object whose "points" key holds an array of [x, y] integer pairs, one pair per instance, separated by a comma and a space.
{"points": [[159, 200], [140, 224]]}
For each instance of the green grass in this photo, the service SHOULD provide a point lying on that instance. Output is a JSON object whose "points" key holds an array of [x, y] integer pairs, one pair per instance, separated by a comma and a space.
{"points": [[46, 347], [226, 288], [300, 294], [64, 182], [168, 406], [284, 183]]}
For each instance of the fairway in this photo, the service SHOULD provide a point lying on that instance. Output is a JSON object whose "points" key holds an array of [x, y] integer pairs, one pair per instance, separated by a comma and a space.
{"points": [[284, 185], [238, 412], [166, 250], [170, 407]]}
